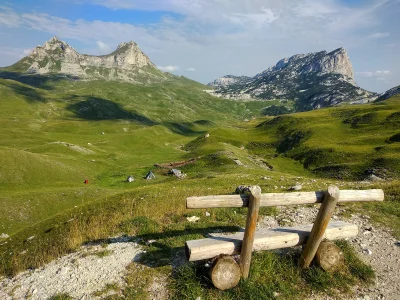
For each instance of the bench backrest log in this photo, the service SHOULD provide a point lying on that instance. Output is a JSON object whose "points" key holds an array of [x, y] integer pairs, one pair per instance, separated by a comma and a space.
{"points": [[277, 199]]}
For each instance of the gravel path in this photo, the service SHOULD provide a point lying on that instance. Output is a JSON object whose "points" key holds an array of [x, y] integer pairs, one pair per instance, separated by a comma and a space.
{"points": [[79, 274]]}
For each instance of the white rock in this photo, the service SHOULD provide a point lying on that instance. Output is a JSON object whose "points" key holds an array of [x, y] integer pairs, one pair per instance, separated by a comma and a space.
{"points": [[193, 219], [368, 251], [296, 187], [4, 236], [207, 214], [238, 162]]}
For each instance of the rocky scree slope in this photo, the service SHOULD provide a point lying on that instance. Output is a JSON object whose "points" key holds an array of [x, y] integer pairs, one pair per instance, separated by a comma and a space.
{"points": [[389, 93], [127, 63], [312, 81]]}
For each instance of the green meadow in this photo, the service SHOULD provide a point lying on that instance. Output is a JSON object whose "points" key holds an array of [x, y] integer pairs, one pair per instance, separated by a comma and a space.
{"points": [[56, 133]]}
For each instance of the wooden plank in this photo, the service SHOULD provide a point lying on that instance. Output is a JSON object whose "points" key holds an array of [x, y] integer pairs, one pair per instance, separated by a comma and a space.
{"points": [[250, 229], [276, 199], [266, 239], [321, 223]]}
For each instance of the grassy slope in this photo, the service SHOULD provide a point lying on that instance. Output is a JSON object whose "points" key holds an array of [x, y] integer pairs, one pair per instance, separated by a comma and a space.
{"points": [[41, 179], [55, 135]]}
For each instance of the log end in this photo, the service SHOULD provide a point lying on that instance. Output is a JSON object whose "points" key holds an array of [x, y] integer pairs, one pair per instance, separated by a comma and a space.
{"points": [[225, 273], [333, 191], [329, 256]]}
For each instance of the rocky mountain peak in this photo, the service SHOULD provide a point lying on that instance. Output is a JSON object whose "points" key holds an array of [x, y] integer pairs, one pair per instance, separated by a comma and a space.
{"points": [[311, 80], [55, 43], [123, 44], [126, 63]]}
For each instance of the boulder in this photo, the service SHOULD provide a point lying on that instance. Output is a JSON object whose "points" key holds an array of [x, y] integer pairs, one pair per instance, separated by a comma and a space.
{"points": [[4, 236], [296, 187], [177, 173]]}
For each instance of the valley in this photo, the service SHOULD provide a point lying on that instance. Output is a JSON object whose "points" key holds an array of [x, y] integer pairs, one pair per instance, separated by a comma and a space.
{"points": [[58, 131]]}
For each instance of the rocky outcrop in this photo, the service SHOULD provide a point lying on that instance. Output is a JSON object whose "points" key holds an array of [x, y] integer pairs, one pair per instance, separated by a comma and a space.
{"points": [[126, 63], [228, 80], [310, 81], [389, 93]]}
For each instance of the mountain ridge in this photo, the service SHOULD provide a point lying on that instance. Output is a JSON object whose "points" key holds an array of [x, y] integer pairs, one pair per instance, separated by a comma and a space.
{"points": [[311, 81], [126, 63], [389, 93]]}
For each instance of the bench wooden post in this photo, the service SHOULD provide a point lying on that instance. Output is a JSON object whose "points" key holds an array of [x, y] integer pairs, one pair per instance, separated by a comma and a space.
{"points": [[251, 224], [325, 212]]}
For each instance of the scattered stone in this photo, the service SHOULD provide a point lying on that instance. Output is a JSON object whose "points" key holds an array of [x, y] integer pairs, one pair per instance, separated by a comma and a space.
{"points": [[266, 177], [207, 214], [207, 135], [4, 236], [367, 251], [238, 162], [296, 187], [30, 238], [286, 221], [374, 178], [177, 173], [193, 219], [149, 242], [130, 179]]}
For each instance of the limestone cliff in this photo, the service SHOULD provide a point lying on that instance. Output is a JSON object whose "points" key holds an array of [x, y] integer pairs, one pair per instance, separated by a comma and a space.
{"points": [[126, 63], [311, 81]]}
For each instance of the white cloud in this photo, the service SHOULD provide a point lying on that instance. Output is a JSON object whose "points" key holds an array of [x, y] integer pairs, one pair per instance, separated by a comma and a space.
{"points": [[191, 70], [9, 18], [378, 35], [103, 46], [168, 68], [374, 74], [25, 52]]}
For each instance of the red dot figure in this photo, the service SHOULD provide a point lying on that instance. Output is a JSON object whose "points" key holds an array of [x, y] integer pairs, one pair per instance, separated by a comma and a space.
{"points": [[86, 181]]}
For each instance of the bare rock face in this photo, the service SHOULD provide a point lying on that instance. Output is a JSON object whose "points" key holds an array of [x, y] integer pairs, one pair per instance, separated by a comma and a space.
{"points": [[336, 61], [228, 80], [389, 93], [126, 63], [310, 81]]}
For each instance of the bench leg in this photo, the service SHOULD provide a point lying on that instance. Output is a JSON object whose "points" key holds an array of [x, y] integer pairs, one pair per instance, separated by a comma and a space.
{"points": [[325, 212], [251, 224]]}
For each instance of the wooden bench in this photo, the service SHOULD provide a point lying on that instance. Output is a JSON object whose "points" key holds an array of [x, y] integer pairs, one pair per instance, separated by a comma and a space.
{"points": [[224, 273]]}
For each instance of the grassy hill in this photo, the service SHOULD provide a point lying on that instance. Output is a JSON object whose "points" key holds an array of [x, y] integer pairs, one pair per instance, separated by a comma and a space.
{"points": [[58, 132]]}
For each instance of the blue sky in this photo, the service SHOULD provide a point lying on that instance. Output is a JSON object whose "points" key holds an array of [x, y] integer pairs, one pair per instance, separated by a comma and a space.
{"points": [[205, 39]]}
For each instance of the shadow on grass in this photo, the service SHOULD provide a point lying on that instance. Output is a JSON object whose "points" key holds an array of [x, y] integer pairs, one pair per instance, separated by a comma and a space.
{"points": [[182, 128], [95, 109], [31, 95], [37, 80]]}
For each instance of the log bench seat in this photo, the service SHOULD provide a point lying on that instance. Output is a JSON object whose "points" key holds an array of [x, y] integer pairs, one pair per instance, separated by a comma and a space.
{"points": [[265, 239]]}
